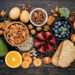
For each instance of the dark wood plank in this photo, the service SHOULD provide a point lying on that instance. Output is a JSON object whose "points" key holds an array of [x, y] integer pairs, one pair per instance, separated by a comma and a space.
{"points": [[44, 69]]}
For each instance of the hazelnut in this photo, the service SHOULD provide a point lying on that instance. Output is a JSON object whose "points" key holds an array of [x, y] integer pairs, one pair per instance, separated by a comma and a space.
{"points": [[33, 31], [46, 28], [30, 26], [38, 28]]}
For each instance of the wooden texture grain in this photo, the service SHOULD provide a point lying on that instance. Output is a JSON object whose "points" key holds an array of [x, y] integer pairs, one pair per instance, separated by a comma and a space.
{"points": [[44, 69]]}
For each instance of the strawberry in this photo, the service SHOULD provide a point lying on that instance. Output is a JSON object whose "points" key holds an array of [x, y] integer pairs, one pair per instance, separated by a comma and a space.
{"points": [[47, 35], [41, 36], [52, 40], [49, 48], [37, 43], [41, 49]]}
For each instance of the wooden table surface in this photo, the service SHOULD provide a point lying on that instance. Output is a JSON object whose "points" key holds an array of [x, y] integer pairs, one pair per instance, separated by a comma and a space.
{"points": [[44, 69]]}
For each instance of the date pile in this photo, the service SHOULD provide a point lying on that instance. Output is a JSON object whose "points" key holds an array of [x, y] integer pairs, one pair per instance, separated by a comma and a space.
{"points": [[38, 17]]}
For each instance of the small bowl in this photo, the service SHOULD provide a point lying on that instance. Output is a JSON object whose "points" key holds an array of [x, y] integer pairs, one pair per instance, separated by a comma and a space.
{"points": [[42, 11], [71, 29], [6, 33]]}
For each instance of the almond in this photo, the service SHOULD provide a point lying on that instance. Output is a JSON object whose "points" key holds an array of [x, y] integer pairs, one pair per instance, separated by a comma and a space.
{"points": [[55, 15], [57, 9], [52, 11]]}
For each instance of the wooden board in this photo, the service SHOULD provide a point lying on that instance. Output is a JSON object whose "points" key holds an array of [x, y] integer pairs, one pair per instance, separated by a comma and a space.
{"points": [[44, 69]]}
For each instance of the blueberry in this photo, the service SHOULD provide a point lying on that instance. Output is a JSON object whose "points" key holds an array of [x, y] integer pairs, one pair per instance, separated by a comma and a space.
{"points": [[56, 22], [66, 22], [56, 35], [66, 29], [59, 29], [65, 25], [59, 23], [68, 26], [56, 26], [67, 34], [60, 36], [62, 22], [53, 28], [56, 31], [63, 36]]}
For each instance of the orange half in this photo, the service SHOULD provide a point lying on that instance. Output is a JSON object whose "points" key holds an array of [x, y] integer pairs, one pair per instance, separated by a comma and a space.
{"points": [[13, 59]]}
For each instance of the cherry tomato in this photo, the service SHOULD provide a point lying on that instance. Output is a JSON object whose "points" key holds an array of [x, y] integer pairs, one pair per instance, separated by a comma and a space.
{"points": [[74, 25], [47, 60]]}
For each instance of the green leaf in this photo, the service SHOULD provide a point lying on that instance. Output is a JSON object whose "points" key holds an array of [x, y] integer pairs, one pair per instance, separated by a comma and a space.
{"points": [[63, 30], [64, 12]]}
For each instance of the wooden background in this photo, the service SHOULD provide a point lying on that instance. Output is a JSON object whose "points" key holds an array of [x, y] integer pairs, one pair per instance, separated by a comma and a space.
{"points": [[44, 69]]}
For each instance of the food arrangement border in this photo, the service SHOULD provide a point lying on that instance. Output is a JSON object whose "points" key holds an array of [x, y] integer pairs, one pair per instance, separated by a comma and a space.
{"points": [[52, 66]]}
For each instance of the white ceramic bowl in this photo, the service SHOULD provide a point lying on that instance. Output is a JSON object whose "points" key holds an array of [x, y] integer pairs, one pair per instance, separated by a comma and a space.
{"points": [[33, 12]]}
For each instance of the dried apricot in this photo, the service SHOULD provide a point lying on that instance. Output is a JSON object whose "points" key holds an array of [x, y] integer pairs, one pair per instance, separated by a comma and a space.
{"points": [[26, 55], [25, 64], [37, 62], [28, 59]]}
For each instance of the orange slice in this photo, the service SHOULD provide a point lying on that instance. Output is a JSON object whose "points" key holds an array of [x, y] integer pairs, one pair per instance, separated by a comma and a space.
{"points": [[26, 54], [37, 62], [28, 59], [25, 64], [13, 59], [47, 60]]}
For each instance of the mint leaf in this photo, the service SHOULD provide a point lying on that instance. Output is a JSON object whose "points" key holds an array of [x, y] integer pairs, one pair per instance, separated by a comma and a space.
{"points": [[63, 30]]}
